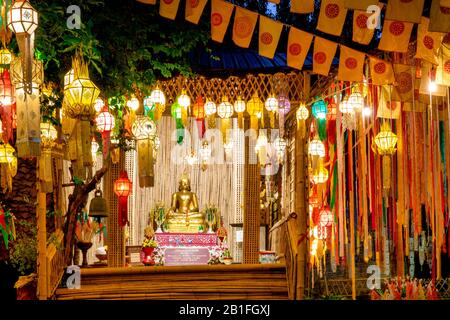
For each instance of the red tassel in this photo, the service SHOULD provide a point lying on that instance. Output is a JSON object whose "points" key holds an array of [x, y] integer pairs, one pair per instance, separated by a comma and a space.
{"points": [[123, 211]]}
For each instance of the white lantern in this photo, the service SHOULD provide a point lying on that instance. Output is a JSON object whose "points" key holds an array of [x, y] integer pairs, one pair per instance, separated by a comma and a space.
{"points": [[271, 104], [356, 100], [133, 104], [184, 100], [22, 18], [302, 113], [345, 107], [225, 109], [316, 148], [239, 105], [158, 97], [210, 108]]}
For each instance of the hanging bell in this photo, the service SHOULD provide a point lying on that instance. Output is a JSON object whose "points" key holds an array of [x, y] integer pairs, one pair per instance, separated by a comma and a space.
{"points": [[98, 207]]}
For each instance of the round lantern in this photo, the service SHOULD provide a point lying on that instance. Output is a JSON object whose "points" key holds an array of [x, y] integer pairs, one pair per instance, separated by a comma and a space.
{"points": [[320, 176], [122, 188], [7, 96], [105, 124], [210, 108], [316, 148], [302, 113], [157, 97], [143, 128], [6, 153], [48, 132], [68, 78], [325, 217], [5, 56], [239, 105], [81, 95], [271, 104], [319, 109], [133, 104], [22, 18], [345, 107], [225, 109], [386, 140], [99, 104], [284, 105], [184, 100], [356, 100]]}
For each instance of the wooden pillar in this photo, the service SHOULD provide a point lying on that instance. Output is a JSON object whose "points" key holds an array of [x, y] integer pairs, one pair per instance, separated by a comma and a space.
{"points": [[301, 195], [251, 219], [41, 245], [115, 238]]}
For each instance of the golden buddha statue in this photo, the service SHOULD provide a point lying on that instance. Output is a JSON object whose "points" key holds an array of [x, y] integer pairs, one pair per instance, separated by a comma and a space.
{"points": [[184, 215]]}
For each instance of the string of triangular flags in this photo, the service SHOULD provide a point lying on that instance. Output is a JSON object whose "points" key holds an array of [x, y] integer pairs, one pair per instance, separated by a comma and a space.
{"points": [[403, 15]]}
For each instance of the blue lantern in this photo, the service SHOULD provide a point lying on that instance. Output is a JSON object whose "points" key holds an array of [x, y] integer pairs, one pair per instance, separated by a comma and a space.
{"points": [[319, 109]]}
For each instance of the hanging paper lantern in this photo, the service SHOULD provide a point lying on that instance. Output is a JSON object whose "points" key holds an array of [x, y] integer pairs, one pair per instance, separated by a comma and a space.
{"points": [[225, 112], [284, 105], [332, 110], [81, 95], [133, 104], [198, 111], [68, 78], [5, 57], [6, 153], [356, 100], [271, 105], [144, 130], [255, 108], [302, 115], [155, 104], [122, 188], [7, 97], [280, 147], [183, 100], [316, 148], [325, 217], [210, 111], [239, 108], [180, 115], [320, 175], [345, 107], [205, 154], [99, 104], [319, 109], [386, 140], [105, 124]]}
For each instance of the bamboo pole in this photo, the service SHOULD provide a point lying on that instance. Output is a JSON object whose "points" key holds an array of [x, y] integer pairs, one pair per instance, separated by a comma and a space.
{"points": [[352, 217], [42, 246]]}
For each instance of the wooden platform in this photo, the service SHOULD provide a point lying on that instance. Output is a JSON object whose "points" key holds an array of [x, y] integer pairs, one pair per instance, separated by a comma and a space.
{"points": [[216, 282]]}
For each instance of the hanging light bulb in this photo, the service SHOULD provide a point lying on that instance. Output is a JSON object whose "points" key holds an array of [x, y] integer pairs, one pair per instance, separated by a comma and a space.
{"points": [[99, 104], [367, 111]]}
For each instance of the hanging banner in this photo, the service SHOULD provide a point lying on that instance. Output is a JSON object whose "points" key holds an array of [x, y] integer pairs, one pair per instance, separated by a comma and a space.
{"points": [[302, 6], [324, 52], [351, 65], [405, 10], [220, 18], [269, 35], [194, 10], [361, 33], [387, 108], [244, 25], [381, 71], [439, 18], [428, 43], [298, 47], [443, 69], [395, 36], [168, 8], [404, 78], [359, 4], [332, 16]]}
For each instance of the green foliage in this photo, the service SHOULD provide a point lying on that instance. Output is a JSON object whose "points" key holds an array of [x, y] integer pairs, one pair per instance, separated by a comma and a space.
{"points": [[127, 44], [23, 253]]}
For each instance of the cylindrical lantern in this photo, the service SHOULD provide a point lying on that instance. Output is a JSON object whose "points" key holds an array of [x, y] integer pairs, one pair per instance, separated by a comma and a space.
{"points": [[123, 188], [302, 115], [105, 124], [239, 107], [255, 109], [225, 111], [198, 111], [144, 130], [385, 143]]}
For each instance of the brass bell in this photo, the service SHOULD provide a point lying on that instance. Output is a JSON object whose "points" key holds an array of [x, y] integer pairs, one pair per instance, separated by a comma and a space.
{"points": [[98, 207]]}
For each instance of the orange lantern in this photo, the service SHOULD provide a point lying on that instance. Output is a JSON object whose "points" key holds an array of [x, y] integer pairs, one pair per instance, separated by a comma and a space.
{"points": [[198, 111], [325, 217], [122, 188]]}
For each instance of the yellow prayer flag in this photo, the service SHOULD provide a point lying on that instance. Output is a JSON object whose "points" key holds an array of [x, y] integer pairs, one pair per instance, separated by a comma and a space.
{"points": [[244, 25], [443, 69], [324, 52], [302, 6], [332, 16], [405, 10], [220, 18], [269, 35], [404, 80], [168, 8], [439, 18], [359, 4], [395, 36], [299, 43], [381, 72], [445, 3], [428, 43], [437, 90], [351, 65], [194, 10], [361, 33], [387, 108]]}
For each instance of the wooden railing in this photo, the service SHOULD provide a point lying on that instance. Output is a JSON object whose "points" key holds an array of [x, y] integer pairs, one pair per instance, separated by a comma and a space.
{"points": [[287, 249], [55, 262]]}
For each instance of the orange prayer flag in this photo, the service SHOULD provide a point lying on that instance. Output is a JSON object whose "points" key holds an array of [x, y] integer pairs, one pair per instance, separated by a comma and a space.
{"points": [[168, 8], [324, 52], [404, 78], [332, 16], [361, 33], [395, 36], [381, 72], [359, 4], [299, 43], [147, 1], [439, 18], [302, 6], [220, 18], [405, 10], [244, 25], [428, 43], [443, 69], [269, 35], [351, 65], [387, 108], [194, 10]]}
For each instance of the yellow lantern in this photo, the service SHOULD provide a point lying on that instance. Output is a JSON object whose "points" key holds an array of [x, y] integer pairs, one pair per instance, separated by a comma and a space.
{"points": [[5, 56], [386, 140], [320, 175], [81, 95], [255, 108], [302, 115], [261, 148], [239, 107], [48, 132], [6, 153], [50, 150], [184, 100]]}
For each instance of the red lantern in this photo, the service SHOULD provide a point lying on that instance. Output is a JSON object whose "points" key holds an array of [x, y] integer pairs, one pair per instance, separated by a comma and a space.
{"points": [[122, 188], [332, 110], [325, 217], [105, 124], [198, 111], [7, 99]]}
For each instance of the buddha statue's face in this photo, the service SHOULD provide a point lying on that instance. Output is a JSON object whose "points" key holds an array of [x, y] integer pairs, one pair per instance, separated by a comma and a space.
{"points": [[185, 185]]}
